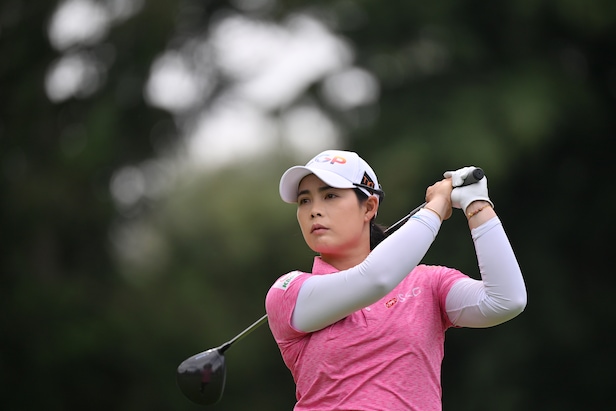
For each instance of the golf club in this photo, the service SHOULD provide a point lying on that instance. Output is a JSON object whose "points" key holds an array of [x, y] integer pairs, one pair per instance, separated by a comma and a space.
{"points": [[201, 378]]}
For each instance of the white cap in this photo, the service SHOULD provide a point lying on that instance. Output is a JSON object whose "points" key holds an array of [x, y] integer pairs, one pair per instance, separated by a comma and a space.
{"points": [[338, 169]]}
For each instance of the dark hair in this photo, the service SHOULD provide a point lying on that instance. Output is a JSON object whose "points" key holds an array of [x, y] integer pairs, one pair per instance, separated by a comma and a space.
{"points": [[377, 231]]}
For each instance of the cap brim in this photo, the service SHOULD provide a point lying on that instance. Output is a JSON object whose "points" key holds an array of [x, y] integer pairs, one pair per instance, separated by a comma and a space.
{"points": [[289, 182]]}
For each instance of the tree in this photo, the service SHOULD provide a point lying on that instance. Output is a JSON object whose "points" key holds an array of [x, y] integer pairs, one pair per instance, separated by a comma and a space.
{"points": [[119, 260]]}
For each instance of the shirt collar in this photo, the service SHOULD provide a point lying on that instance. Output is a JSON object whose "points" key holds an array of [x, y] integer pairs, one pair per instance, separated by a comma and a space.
{"points": [[321, 267]]}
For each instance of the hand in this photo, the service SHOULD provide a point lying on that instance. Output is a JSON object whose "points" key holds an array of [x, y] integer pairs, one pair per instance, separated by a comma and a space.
{"points": [[438, 198], [463, 196]]}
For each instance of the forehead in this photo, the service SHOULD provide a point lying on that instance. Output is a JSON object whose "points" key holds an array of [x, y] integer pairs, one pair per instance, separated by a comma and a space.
{"points": [[310, 180]]}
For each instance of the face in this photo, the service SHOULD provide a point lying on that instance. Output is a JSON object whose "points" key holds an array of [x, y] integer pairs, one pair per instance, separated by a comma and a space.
{"points": [[332, 220]]}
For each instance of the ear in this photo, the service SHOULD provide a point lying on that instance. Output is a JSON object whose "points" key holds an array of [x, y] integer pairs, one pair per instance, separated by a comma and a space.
{"points": [[372, 206]]}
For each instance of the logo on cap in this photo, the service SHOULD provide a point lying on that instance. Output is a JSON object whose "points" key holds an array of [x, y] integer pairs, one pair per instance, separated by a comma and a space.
{"points": [[367, 181], [326, 158]]}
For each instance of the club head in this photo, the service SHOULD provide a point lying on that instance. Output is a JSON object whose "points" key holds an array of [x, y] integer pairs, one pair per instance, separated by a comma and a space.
{"points": [[201, 378]]}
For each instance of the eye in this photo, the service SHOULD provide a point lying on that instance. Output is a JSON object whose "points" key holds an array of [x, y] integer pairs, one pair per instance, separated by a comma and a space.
{"points": [[330, 195], [302, 200]]}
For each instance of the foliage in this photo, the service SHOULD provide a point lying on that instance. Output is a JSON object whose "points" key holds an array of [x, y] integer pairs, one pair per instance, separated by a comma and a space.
{"points": [[101, 302]]}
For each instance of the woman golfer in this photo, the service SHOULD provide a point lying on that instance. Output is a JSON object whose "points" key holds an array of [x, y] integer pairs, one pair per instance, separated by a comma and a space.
{"points": [[365, 329]]}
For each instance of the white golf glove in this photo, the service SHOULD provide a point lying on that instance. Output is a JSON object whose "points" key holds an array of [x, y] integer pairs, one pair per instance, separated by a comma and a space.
{"points": [[462, 196]]}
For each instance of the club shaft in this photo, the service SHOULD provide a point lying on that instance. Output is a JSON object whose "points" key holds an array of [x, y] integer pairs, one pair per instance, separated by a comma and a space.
{"points": [[473, 177], [403, 220], [243, 334]]}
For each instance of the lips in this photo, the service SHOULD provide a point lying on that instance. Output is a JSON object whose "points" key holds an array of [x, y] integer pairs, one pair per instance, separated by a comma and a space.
{"points": [[318, 228]]}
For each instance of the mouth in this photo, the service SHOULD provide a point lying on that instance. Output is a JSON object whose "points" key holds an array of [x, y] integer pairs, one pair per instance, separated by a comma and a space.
{"points": [[317, 228]]}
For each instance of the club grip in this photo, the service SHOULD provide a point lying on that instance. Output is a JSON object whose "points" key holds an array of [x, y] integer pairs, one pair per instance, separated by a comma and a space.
{"points": [[473, 177]]}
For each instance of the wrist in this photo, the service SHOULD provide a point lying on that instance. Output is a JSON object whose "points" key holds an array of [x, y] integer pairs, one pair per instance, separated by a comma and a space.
{"points": [[441, 208], [440, 217], [477, 207]]}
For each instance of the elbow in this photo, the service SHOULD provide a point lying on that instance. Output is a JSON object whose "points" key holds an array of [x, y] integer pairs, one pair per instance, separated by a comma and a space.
{"points": [[509, 309], [519, 304], [379, 284], [516, 306], [381, 287]]}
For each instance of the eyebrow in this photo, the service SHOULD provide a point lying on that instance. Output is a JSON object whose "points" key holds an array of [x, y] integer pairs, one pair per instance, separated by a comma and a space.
{"points": [[320, 190]]}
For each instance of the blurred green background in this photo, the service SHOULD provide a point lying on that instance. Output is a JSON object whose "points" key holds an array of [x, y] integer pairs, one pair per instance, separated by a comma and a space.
{"points": [[141, 144]]}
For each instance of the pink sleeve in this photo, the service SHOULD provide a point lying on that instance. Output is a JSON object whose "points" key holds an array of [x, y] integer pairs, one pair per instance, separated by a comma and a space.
{"points": [[447, 277], [280, 303]]}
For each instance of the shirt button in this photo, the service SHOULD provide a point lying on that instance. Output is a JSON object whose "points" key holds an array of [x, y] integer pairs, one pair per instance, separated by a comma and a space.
{"points": [[368, 308]]}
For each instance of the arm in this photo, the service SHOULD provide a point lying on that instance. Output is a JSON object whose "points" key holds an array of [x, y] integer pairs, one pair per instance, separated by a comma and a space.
{"points": [[501, 293], [325, 299]]}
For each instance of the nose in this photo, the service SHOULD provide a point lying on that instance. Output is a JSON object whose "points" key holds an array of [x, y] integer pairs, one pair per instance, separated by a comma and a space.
{"points": [[315, 211]]}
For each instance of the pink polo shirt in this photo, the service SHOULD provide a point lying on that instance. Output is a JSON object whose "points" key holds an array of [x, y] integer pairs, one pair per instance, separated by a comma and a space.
{"points": [[386, 356]]}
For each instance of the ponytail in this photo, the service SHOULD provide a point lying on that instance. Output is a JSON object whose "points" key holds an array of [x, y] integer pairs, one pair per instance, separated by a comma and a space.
{"points": [[377, 234]]}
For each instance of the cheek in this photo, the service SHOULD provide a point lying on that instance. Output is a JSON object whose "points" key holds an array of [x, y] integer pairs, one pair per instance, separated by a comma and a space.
{"points": [[352, 213], [302, 219], [349, 220], [304, 226], [299, 217]]}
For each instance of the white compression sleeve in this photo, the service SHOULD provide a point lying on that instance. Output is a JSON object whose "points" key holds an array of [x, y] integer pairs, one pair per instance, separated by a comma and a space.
{"points": [[501, 293], [325, 299]]}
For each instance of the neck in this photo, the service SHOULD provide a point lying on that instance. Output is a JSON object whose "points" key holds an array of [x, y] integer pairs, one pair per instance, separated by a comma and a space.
{"points": [[346, 261], [351, 254]]}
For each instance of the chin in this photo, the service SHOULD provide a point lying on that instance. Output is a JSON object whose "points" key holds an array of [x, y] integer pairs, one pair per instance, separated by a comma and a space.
{"points": [[325, 250], [321, 249]]}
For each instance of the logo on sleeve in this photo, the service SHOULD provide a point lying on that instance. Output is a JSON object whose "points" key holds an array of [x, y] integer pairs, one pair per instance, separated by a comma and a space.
{"points": [[284, 281]]}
